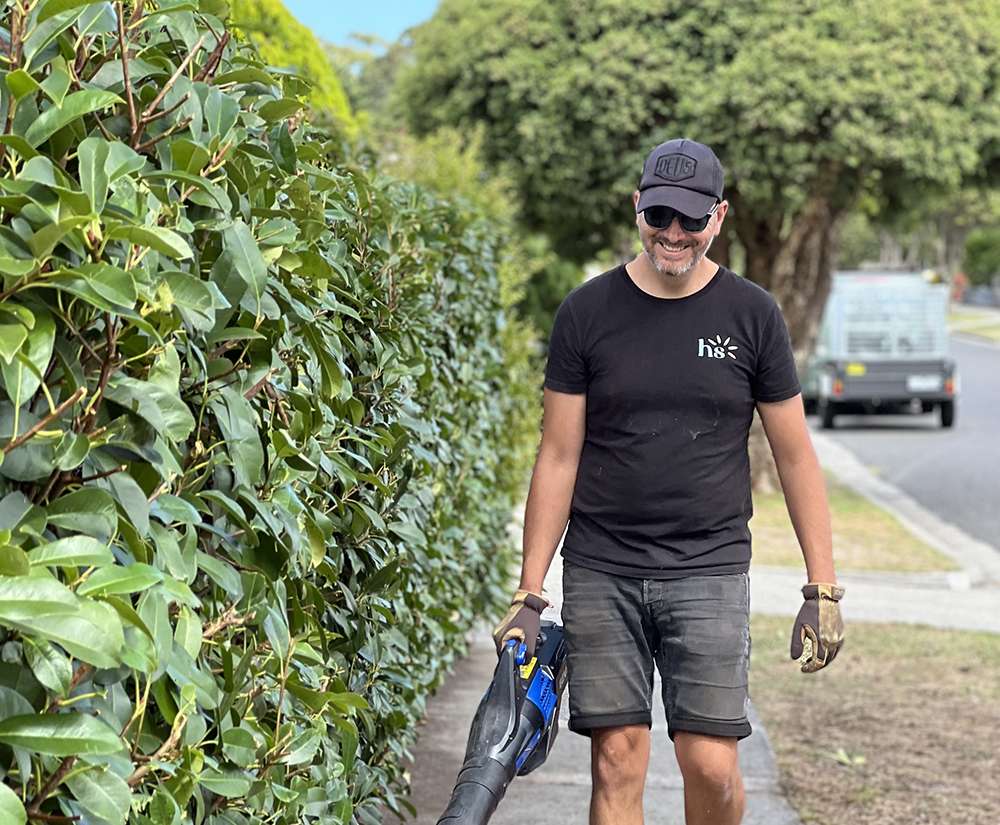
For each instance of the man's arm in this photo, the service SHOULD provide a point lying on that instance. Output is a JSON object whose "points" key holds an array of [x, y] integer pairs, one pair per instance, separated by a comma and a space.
{"points": [[802, 482], [552, 482]]}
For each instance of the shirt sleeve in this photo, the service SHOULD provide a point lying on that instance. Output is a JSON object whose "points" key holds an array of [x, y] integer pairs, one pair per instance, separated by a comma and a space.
{"points": [[775, 378], [566, 368]]}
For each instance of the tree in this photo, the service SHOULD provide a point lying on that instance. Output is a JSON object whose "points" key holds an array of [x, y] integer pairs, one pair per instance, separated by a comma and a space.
{"points": [[982, 256], [286, 44], [810, 105], [368, 72]]}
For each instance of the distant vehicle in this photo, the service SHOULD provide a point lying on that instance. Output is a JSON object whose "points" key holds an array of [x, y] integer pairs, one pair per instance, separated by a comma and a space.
{"points": [[882, 348]]}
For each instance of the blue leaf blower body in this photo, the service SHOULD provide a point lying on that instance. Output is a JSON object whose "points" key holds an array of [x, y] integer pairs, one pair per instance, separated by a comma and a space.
{"points": [[514, 727]]}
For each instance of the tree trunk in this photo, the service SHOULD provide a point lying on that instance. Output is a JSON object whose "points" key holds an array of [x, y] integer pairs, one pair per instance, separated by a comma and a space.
{"points": [[721, 251], [763, 471], [890, 250], [795, 266], [953, 251]]}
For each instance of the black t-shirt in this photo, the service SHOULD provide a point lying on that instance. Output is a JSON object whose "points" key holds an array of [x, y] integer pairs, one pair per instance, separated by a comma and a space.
{"points": [[663, 486]]}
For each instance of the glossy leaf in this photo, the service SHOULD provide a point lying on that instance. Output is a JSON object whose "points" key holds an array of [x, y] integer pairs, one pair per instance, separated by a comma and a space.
{"points": [[114, 580], [60, 734], [102, 793], [159, 238], [50, 667], [73, 551], [92, 633], [23, 376], [74, 106], [93, 156], [11, 808], [88, 510], [24, 598]]}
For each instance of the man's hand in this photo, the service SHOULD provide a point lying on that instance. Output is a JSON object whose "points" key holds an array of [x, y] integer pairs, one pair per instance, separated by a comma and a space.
{"points": [[522, 621], [820, 622]]}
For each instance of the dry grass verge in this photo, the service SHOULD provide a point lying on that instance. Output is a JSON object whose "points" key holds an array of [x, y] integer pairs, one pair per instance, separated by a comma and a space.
{"points": [[865, 537], [990, 332], [900, 729]]}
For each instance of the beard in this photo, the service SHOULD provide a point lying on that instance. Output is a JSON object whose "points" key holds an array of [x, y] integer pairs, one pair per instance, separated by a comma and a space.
{"points": [[678, 268]]}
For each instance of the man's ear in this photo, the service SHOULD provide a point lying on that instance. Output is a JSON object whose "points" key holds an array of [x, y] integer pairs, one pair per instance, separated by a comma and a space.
{"points": [[720, 216], [635, 198]]}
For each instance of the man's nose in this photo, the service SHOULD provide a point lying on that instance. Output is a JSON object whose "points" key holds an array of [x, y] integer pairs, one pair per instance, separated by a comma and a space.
{"points": [[674, 230]]}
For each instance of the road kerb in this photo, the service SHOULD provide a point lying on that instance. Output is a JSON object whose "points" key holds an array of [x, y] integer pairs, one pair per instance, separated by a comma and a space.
{"points": [[980, 563]]}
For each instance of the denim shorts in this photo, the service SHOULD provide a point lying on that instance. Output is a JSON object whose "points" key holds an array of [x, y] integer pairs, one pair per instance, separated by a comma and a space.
{"points": [[695, 630]]}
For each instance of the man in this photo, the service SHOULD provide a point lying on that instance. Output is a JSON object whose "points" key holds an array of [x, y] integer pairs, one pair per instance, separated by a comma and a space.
{"points": [[654, 371]]}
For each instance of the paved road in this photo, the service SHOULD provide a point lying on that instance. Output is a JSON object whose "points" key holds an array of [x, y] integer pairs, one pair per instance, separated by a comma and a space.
{"points": [[953, 473]]}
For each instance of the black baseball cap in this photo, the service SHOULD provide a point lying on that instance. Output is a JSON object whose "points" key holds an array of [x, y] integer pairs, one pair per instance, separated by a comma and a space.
{"points": [[682, 174]]}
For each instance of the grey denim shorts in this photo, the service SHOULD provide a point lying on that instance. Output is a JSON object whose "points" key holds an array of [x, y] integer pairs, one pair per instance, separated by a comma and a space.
{"points": [[695, 630]]}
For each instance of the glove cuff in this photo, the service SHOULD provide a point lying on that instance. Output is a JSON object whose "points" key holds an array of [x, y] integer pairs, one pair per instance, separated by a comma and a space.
{"points": [[531, 600], [822, 590]]}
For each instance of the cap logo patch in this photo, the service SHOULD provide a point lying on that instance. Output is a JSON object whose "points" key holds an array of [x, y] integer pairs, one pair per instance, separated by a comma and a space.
{"points": [[676, 167]]}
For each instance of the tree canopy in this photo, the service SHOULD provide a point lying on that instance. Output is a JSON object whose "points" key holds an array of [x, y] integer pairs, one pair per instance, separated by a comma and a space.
{"points": [[286, 44], [810, 105]]}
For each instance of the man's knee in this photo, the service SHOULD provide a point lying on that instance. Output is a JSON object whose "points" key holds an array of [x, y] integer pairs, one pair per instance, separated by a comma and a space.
{"points": [[619, 756], [710, 762]]}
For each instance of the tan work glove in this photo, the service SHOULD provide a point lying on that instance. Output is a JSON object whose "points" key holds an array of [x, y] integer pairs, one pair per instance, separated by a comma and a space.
{"points": [[820, 622], [522, 621]]}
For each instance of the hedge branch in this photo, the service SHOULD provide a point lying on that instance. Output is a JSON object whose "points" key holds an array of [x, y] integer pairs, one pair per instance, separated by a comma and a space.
{"points": [[256, 388], [44, 422], [32, 809], [137, 13], [213, 59], [164, 112], [228, 619], [147, 115], [105, 474], [149, 144], [16, 33], [107, 365], [133, 119], [165, 750]]}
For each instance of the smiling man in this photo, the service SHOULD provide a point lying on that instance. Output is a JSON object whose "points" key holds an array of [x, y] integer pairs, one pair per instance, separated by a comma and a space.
{"points": [[655, 369]]}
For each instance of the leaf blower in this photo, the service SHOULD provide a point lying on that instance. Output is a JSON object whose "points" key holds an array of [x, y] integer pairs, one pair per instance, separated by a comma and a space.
{"points": [[514, 727]]}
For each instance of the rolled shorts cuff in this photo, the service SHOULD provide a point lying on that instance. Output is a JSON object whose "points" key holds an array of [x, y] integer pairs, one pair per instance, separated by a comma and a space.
{"points": [[739, 729], [585, 724]]}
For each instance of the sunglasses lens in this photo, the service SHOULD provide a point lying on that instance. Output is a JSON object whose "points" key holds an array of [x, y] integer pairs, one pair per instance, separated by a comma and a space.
{"points": [[694, 224], [660, 217]]}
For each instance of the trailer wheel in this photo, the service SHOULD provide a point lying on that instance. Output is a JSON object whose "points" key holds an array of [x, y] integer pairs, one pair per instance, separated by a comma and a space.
{"points": [[947, 414], [827, 413]]}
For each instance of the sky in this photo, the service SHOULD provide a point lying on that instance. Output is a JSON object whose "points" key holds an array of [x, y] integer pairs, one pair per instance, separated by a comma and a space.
{"points": [[335, 20]]}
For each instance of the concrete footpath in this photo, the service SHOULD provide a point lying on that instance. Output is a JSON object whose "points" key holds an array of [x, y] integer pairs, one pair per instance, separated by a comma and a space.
{"points": [[559, 792]]}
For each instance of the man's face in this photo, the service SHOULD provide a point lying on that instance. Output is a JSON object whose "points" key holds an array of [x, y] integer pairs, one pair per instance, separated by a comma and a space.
{"points": [[674, 251]]}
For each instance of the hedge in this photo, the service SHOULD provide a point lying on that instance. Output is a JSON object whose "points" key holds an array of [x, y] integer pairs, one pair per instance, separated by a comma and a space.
{"points": [[264, 414]]}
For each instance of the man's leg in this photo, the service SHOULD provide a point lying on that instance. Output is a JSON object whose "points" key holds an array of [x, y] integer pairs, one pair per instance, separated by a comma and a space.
{"points": [[610, 686], [703, 660], [713, 785], [618, 760]]}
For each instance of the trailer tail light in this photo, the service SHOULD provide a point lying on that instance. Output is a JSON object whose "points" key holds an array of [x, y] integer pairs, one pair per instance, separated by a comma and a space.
{"points": [[838, 387], [949, 386]]}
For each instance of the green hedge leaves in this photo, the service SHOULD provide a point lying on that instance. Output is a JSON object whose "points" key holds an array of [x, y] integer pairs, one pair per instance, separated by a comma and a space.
{"points": [[263, 417]]}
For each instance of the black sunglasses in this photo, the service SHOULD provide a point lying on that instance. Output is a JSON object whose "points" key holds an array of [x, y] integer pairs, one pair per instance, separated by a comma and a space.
{"points": [[660, 217]]}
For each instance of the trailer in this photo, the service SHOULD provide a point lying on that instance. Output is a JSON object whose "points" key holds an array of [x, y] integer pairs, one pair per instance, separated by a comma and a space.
{"points": [[882, 348]]}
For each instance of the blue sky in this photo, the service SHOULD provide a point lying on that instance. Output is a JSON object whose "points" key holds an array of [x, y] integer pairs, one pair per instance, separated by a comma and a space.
{"points": [[335, 21]]}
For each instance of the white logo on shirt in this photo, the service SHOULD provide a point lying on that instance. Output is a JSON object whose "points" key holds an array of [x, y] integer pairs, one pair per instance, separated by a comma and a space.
{"points": [[716, 348]]}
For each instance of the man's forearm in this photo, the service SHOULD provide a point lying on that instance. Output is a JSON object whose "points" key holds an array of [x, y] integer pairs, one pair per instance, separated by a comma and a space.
{"points": [[546, 513], [805, 496]]}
